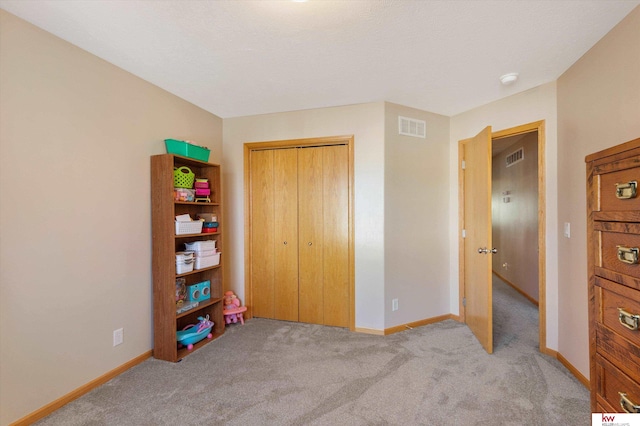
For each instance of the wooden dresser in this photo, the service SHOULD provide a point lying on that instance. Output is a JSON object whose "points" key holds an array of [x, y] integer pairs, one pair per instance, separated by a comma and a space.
{"points": [[613, 243]]}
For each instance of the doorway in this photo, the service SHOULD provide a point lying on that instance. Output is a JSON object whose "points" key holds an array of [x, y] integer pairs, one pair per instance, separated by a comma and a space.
{"points": [[514, 201], [468, 295]]}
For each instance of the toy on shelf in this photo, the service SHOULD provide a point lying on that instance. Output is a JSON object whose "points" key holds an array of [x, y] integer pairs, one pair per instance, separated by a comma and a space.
{"points": [[202, 191], [181, 291], [210, 222], [190, 335], [232, 309]]}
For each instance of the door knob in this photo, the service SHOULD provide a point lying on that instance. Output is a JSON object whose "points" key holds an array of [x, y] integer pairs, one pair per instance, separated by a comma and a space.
{"points": [[487, 251], [309, 243]]}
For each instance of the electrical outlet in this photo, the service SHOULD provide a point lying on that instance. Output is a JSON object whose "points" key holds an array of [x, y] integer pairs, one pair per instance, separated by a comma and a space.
{"points": [[567, 230], [505, 265], [118, 337], [394, 305]]}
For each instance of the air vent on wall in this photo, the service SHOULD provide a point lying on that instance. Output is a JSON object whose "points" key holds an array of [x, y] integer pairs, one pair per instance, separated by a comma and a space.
{"points": [[412, 127], [515, 157]]}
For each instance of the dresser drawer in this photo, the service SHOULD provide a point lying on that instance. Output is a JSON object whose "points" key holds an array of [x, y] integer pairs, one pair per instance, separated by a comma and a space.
{"points": [[611, 383], [618, 350], [618, 308], [620, 252], [618, 192]]}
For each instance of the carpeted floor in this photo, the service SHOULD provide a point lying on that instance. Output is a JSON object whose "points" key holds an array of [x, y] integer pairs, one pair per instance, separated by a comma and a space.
{"points": [[279, 373]]}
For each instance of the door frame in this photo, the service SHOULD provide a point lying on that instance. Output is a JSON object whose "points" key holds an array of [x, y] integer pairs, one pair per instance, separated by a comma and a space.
{"points": [[538, 126], [347, 140]]}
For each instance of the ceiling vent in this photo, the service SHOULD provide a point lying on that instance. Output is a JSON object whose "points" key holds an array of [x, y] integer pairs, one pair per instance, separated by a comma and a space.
{"points": [[412, 127], [515, 157]]}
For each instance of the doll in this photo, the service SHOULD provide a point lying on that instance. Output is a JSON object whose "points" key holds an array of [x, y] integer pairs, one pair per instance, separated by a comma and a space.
{"points": [[232, 309]]}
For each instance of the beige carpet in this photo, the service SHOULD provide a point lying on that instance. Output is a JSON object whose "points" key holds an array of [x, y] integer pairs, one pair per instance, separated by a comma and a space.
{"points": [[278, 373]]}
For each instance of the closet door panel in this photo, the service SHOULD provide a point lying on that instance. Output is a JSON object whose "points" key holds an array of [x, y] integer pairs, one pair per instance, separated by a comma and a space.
{"points": [[336, 235], [310, 220], [262, 233], [285, 202]]}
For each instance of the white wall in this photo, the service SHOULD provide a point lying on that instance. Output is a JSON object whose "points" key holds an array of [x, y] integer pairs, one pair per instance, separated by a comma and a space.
{"points": [[76, 134], [366, 123], [416, 218], [598, 107], [526, 107]]}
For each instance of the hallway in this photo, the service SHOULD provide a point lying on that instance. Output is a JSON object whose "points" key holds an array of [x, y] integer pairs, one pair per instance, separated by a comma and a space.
{"points": [[515, 319]]}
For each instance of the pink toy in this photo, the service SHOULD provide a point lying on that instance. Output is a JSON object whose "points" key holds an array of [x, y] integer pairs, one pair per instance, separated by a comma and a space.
{"points": [[232, 309]]}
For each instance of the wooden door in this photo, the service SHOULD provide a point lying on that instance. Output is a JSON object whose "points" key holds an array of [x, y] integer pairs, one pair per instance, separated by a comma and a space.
{"points": [[323, 180], [335, 212], [300, 255], [285, 204], [274, 214], [478, 242], [310, 231], [262, 266]]}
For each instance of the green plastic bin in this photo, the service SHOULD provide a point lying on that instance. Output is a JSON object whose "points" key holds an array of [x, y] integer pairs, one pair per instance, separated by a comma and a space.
{"points": [[185, 149]]}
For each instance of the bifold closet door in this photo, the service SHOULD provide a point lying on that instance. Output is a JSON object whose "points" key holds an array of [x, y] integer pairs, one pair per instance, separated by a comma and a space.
{"points": [[335, 254], [285, 205], [262, 235], [310, 224], [274, 233], [323, 206], [300, 234]]}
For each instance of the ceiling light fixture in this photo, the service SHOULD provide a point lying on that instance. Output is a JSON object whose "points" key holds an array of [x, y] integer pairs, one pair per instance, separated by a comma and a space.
{"points": [[508, 79]]}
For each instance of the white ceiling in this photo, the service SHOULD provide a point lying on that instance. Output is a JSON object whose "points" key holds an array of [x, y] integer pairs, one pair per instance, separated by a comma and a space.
{"points": [[236, 58]]}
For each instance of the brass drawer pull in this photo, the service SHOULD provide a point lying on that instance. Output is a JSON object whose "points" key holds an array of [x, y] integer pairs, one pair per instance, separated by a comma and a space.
{"points": [[628, 255], [626, 404], [631, 321], [624, 191]]}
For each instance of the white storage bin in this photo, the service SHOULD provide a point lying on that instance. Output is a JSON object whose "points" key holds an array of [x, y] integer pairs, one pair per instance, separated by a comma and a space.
{"points": [[182, 267], [183, 256], [207, 261], [205, 245], [205, 253], [194, 227]]}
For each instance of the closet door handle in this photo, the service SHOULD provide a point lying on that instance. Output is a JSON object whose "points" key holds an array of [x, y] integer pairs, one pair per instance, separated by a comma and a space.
{"points": [[285, 243], [309, 243], [485, 250], [628, 320]]}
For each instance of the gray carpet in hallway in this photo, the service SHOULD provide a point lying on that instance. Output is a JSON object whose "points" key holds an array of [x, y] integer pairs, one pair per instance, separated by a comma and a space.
{"points": [[279, 373]]}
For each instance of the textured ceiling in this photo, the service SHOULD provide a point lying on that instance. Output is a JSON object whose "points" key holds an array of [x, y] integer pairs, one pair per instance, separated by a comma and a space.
{"points": [[236, 58]]}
